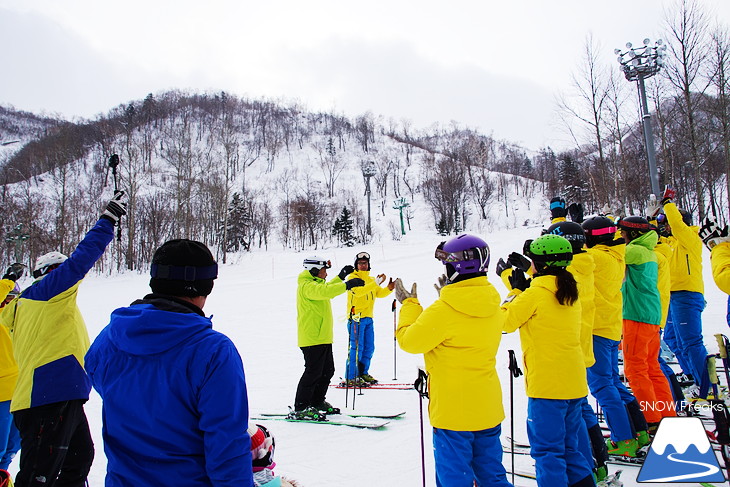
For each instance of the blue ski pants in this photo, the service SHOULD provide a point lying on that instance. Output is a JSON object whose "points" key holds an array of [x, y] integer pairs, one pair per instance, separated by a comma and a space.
{"points": [[361, 347], [606, 386], [683, 334], [9, 436], [463, 457], [555, 428]]}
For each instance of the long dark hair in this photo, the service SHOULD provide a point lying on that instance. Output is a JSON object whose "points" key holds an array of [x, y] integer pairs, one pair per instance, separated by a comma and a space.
{"points": [[567, 293]]}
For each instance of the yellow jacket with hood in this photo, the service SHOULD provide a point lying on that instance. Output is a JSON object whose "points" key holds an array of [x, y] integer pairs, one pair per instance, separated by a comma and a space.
{"points": [[583, 267], [362, 298], [685, 264], [720, 258], [610, 263], [550, 339], [459, 335]]}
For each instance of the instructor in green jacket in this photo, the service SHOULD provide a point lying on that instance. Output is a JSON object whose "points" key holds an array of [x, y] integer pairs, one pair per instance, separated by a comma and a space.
{"points": [[314, 322]]}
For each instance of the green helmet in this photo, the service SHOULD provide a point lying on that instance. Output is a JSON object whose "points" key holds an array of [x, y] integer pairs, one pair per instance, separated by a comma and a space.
{"points": [[551, 250]]}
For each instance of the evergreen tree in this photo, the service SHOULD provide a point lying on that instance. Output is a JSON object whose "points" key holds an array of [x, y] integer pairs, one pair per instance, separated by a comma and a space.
{"points": [[239, 224], [441, 227], [342, 228]]}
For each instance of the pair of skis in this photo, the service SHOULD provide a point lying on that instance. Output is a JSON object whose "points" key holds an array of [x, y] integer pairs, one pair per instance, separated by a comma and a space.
{"points": [[356, 420]]}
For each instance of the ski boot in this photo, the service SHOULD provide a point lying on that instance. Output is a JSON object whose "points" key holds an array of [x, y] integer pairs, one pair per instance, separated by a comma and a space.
{"points": [[327, 408], [625, 448], [369, 379], [600, 473], [611, 480], [643, 438], [355, 383], [309, 414]]}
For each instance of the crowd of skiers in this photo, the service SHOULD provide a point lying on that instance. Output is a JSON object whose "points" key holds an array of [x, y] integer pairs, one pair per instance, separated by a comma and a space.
{"points": [[576, 294]]}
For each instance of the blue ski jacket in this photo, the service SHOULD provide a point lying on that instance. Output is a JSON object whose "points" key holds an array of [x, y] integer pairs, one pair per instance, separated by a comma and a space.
{"points": [[175, 407]]}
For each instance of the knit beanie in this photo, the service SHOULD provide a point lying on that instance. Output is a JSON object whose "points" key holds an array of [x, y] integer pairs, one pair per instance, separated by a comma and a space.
{"points": [[183, 267], [262, 447]]}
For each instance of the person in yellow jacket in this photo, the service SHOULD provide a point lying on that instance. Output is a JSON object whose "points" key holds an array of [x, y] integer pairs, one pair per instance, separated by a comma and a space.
{"points": [[683, 331], [718, 241], [548, 314], [314, 334], [9, 435], [459, 335], [360, 304], [623, 412]]}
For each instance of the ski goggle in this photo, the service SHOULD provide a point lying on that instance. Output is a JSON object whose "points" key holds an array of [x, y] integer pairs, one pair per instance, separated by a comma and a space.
{"points": [[362, 255], [460, 256], [318, 263]]}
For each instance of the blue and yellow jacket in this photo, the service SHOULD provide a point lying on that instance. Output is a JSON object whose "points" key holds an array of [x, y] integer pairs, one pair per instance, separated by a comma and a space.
{"points": [[175, 404], [458, 335], [720, 258], [49, 334], [641, 300], [550, 335], [8, 366], [362, 298]]}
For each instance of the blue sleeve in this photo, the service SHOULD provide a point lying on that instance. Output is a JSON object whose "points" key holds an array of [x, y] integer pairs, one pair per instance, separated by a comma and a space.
{"points": [[87, 252], [223, 409]]}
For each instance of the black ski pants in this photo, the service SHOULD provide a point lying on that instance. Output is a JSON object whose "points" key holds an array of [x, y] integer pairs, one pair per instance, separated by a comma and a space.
{"points": [[319, 367], [56, 449]]}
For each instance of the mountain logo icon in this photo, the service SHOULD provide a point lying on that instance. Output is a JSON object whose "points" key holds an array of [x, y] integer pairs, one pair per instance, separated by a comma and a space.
{"points": [[681, 452]]}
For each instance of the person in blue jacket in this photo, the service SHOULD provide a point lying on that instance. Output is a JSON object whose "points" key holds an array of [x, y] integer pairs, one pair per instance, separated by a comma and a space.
{"points": [[49, 342], [175, 404]]}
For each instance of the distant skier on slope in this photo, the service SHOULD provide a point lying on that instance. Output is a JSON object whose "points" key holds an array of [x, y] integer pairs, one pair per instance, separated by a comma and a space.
{"points": [[360, 304], [314, 334], [175, 402], [548, 314], [459, 335]]}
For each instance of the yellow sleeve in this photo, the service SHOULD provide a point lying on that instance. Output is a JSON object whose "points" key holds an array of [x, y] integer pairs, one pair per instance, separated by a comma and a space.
{"points": [[419, 331], [517, 309], [720, 259]]}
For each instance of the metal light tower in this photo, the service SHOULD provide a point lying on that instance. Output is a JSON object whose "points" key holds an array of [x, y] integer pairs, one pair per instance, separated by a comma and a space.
{"points": [[639, 63], [399, 204], [368, 171]]}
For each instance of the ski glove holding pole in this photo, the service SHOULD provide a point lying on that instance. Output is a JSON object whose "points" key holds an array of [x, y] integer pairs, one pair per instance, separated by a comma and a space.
{"points": [[354, 282], [518, 280], [557, 207], [711, 234], [400, 292], [116, 208], [14, 271], [346, 271]]}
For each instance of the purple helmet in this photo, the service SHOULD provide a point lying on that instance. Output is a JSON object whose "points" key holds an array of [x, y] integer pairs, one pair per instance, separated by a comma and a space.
{"points": [[467, 254]]}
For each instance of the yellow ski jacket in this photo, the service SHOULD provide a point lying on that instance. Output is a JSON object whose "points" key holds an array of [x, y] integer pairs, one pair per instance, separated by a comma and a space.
{"points": [[8, 366], [720, 259], [550, 339], [363, 297], [459, 335], [609, 275], [583, 267], [685, 265]]}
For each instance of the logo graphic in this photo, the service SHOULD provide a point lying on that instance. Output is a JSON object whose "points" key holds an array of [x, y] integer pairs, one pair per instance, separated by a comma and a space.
{"points": [[681, 452]]}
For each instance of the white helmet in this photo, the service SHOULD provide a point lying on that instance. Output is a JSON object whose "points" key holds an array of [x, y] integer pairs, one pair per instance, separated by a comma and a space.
{"points": [[47, 262], [315, 262]]}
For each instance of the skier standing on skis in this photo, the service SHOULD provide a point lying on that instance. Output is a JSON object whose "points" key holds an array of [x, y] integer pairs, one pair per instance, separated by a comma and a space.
{"points": [[49, 342], [360, 304], [683, 332], [717, 241], [161, 355], [314, 334], [459, 335], [642, 314], [622, 410]]}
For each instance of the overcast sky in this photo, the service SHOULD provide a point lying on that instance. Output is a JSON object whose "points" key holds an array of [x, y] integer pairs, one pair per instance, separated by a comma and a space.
{"points": [[494, 66]]}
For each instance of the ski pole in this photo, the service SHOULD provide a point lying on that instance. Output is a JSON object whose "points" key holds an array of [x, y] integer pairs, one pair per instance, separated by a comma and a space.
{"points": [[514, 372], [421, 385], [722, 346], [350, 325], [395, 376], [113, 163]]}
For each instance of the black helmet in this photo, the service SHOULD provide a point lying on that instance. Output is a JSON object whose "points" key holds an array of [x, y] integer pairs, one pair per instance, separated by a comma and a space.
{"points": [[686, 217], [599, 229], [571, 231], [634, 226]]}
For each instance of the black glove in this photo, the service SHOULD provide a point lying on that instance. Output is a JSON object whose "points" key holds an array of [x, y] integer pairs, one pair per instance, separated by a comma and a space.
{"points": [[576, 212], [14, 272], [520, 261], [346, 271], [711, 234], [502, 266], [557, 207], [354, 282], [115, 208], [518, 281]]}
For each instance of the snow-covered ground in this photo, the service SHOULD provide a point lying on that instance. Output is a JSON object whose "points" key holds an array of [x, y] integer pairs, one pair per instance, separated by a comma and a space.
{"points": [[253, 302]]}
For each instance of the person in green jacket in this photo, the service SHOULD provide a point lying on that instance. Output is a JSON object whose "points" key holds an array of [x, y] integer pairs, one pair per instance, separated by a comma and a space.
{"points": [[314, 334]]}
